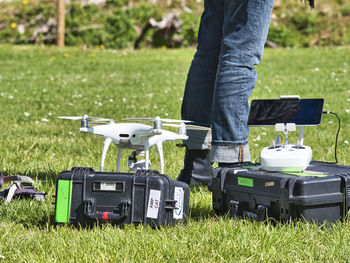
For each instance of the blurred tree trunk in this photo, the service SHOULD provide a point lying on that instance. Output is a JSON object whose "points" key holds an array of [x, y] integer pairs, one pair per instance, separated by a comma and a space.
{"points": [[60, 23]]}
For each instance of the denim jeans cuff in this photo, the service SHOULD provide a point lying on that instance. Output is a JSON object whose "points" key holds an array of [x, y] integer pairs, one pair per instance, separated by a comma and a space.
{"points": [[230, 153], [198, 140]]}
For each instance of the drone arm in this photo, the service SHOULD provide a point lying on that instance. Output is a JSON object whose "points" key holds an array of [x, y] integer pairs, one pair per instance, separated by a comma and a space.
{"points": [[161, 158], [105, 148]]}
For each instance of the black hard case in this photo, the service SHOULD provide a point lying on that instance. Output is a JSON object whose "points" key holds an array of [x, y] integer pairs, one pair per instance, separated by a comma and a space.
{"points": [[254, 193], [130, 203]]}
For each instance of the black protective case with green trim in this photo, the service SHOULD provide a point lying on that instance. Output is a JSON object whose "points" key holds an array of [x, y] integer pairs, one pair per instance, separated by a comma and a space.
{"points": [[85, 197], [321, 193]]}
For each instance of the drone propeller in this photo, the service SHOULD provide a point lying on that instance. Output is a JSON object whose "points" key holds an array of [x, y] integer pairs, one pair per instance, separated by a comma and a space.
{"points": [[156, 119], [74, 118], [85, 117], [188, 127]]}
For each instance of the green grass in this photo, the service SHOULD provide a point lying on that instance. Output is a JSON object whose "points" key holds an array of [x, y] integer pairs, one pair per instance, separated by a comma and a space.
{"points": [[39, 83]]}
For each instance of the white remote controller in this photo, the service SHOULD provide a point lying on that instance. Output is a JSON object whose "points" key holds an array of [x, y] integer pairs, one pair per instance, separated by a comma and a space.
{"points": [[286, 158]]}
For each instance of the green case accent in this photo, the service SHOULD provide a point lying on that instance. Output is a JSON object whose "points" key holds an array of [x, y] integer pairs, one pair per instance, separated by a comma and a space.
{"points": [[63, 201], [307, 174], [245, 181], [251, 166]]}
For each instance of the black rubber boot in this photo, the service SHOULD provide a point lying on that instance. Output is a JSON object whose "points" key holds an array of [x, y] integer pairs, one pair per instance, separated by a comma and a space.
{"points": [[197, 168]]}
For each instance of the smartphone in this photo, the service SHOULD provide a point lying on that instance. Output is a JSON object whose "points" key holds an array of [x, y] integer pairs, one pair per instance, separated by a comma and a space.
{"points": [[268, 112]]}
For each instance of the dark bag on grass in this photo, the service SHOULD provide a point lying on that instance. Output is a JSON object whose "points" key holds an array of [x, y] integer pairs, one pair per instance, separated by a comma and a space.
{"points": [[22, 187], [85, 197], [320, 194]]}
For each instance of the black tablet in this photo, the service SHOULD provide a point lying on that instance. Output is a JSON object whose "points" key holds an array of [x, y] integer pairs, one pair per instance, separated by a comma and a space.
{"points": [[268, 112]]}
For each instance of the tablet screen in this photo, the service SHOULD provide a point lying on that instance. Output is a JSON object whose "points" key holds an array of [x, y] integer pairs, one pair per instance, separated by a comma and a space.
{"points": [[268, 112]]}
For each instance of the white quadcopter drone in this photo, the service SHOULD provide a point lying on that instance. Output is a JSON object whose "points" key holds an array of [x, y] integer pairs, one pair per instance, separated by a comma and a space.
{"points": [[136, 136]]}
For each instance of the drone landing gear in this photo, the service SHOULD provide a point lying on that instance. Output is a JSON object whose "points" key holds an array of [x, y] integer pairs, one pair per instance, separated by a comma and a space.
{"points": [[105, 148], [118, 159], [135, 165], [104, 152], [161, 158]]}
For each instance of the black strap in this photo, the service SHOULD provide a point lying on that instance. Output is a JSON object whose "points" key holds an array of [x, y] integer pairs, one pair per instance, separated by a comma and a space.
{"points": [[22, 187], [82, 170], [147, 172]]}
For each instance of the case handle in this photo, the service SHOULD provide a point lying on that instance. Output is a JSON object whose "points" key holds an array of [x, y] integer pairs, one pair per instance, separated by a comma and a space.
{"points": [[235, 209], [260, 215], [106, 215]]}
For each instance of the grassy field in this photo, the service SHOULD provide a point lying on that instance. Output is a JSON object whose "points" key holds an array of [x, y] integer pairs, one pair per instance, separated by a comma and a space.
{"points": [[37, 84]]}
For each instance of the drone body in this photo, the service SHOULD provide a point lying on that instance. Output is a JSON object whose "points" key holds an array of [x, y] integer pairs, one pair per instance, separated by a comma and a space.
{"points": [[126, 135], [135, 136]]}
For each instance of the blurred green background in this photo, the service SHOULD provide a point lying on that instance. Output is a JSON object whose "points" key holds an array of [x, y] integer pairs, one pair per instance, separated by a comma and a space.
{"points": [[135, 23]]}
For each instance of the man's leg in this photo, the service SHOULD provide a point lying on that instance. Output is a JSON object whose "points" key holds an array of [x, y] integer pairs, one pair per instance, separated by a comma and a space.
{"points": [[198, 97], [245, 29]]}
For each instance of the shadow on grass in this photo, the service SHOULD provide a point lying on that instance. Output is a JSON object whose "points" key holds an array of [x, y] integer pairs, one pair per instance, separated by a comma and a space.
{"points": [[199, 213], [28, 213], [47, 176], [201, 207]]}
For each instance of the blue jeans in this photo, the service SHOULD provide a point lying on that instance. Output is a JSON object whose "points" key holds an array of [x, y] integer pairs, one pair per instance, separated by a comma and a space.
{"points": [[231, 40]]}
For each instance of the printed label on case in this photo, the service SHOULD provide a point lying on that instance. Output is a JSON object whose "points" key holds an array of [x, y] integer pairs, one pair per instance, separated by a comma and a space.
{"points": [[108, 186], [179, 197], [153, 204], [267, 184]]}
